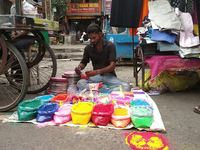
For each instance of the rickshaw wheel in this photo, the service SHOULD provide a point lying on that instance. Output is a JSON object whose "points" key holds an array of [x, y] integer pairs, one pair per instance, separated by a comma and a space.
{"points": [[41, 73], [13, 78]]}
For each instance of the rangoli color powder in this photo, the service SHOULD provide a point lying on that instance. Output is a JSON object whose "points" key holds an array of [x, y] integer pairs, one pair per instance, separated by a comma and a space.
{"points": [[120, 112], [147, 141], [83, 107]]}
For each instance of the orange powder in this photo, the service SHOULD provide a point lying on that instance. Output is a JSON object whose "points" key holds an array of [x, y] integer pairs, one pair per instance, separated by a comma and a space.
{"points": [[120, 112]]}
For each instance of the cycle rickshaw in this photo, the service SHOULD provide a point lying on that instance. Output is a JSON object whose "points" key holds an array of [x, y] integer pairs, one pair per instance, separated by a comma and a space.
{"points": [[19, 75]]}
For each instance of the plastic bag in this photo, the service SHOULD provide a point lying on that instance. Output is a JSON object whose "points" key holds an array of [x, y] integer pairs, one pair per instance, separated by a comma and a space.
{"points": [[101, 114], [121, 112], [140, 102], [121, 116], [121, 100], [168, 81], [30, 105], [27, 110], [141, 116], [81, 112], [174, 82], [147, 78], [28, 8], [45, 98], [121, 123], [46, 113], [61, 98], [26, 115], [63, 114]]}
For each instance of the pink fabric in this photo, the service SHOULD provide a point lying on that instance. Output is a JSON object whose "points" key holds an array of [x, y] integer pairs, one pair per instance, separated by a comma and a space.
{"points": [[157, 64], [187, 38]]}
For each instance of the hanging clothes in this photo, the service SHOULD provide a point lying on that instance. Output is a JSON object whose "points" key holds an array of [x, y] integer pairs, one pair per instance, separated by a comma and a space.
{"points": [[184, 6], [161, 13], [187, 38], [198, 13], [126, 13], [144, 13], [194, 16]]}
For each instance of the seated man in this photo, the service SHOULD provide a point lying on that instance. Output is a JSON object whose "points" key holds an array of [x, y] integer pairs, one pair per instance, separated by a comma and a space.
{"points": [[102, 53]]}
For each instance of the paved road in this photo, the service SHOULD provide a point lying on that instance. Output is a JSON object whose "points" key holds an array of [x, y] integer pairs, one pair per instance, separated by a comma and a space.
{"points": [[176, 108]]}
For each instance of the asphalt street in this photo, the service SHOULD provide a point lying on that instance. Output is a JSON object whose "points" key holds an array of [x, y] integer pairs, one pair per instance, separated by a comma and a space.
{"points": [[176, 109]]}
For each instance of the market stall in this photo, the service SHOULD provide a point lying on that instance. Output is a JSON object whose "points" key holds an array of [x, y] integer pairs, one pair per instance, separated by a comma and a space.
{"points": [[169, 44], [135, 110]]}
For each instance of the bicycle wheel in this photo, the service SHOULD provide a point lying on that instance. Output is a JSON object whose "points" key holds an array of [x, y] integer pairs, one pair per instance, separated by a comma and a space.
{"points": [[13, 77], [41, 73]]}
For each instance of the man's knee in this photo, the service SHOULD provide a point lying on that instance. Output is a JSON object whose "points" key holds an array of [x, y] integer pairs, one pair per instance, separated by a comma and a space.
{"points": [[126, 86], [81, 84]]}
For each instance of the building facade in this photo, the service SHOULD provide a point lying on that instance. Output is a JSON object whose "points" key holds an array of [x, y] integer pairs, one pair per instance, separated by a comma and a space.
{"points": [[81, 13]]}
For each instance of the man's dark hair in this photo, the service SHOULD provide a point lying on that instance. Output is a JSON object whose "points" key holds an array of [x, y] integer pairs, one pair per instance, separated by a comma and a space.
{"points": [[93, 28]]}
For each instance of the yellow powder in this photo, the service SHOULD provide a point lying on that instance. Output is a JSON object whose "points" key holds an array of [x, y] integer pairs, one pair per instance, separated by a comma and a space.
{"points": [[83, 107], [120, 112]]}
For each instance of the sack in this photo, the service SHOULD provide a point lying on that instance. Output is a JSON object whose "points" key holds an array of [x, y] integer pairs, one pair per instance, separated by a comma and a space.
{"points": [[121, 112], [81, 112], [61, 98], [46, 113], [141, 116], [27, 110], [101, 114], [45, 98], [63, 114], [174, 82], [147, 78], [121, 116], [121, 123]]}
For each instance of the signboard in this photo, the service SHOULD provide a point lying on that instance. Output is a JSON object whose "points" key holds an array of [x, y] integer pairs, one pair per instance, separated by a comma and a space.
{"points": [[81, 17], [79, 8], [107, 8]]}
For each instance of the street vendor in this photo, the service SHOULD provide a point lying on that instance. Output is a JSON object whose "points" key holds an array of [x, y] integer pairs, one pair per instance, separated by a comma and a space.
{"points": [[102, 53]]}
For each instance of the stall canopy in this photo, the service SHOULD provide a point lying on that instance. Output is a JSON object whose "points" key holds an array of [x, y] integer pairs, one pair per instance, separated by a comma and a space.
{"points": [[125, 13]]}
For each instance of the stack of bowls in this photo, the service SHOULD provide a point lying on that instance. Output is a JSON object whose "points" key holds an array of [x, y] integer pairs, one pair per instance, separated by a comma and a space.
{"points": [[58, 85], [72, 77]]}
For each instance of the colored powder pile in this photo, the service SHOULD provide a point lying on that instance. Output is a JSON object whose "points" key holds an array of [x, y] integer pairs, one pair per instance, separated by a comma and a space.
{"points": [[147, 140], [120, 112], [83, 107], [60, 97], [140, 102], [102, 108], [32, 104], [46, 97], [140, 110]]}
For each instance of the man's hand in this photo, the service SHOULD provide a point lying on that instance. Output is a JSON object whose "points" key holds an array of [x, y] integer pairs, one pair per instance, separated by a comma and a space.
{"points": [[13, 36], [91, 73], [78, 70]]}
